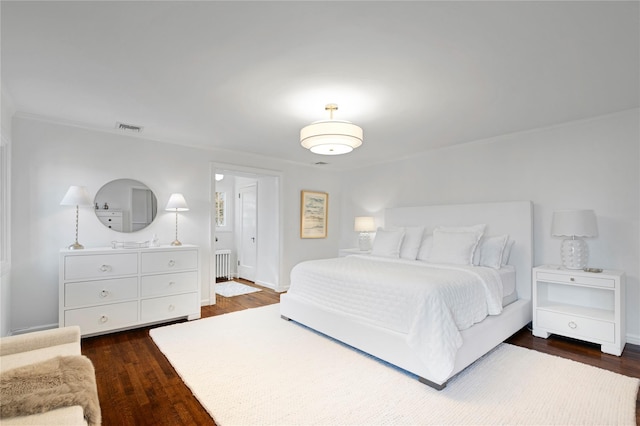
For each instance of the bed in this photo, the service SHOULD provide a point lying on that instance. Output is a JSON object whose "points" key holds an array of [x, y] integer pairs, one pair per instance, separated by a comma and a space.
{"points": [[429, 317]]}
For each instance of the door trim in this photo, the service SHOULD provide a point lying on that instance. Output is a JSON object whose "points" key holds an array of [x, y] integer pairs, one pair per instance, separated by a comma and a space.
{"points": [[217, 167]]}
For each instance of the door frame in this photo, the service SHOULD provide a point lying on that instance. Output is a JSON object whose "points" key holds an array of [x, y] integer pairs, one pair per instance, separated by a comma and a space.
{"points": [[238, 170]]}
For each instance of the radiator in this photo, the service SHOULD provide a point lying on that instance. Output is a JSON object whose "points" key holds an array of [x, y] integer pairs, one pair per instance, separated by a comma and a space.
{"points": [[223, 264]]}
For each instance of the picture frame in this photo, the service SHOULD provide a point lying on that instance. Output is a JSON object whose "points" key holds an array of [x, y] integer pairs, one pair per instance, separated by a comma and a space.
{"points": [[314, 208]]}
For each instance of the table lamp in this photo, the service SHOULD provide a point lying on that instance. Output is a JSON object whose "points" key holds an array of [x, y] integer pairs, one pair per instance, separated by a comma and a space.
{"points": [[364, 225], [574, 224], [76, 196], [177, 203]]}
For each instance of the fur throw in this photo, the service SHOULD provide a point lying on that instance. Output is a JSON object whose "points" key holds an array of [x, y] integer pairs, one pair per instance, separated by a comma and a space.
{"points": [[63, 381]]}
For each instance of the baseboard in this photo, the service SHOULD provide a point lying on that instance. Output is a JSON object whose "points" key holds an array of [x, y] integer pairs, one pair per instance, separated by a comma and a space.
{"points": [[634, 339], [32, 329]]}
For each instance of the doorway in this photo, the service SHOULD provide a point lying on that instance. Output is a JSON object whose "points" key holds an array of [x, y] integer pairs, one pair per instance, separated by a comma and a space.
{"points": [[248, 223]]}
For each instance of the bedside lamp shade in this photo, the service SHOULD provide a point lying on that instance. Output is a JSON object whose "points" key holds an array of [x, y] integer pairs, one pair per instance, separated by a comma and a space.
{"points": [[364, 225], [177, 203], [76, 196], [574, 224]]}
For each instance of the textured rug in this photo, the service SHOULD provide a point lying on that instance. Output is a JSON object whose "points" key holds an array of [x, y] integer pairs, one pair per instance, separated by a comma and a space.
{"points": [[232, 288], [251, 367]]}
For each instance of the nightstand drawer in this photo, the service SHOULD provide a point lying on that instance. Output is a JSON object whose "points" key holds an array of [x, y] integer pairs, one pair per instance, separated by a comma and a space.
{"points": [[577, 279], [574, 326]]}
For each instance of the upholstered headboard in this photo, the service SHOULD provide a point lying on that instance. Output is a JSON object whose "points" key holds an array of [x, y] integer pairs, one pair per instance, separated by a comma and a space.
{"points": [[511, 217]]}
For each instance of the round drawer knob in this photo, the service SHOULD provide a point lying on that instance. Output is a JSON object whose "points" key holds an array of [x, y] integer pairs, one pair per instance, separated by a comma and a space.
{"points": [[172, 308], [104, 293], [172, 282], [572, 325], [104, 268], [104, 319], [572, 279], [172, 263]]}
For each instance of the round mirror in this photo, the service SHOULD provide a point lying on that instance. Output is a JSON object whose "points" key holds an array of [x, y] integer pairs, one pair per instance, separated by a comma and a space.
{"points": [[125, 205]]}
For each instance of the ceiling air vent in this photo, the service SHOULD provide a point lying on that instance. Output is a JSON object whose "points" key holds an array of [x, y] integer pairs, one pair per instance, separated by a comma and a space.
{"points": [[128, 127]]}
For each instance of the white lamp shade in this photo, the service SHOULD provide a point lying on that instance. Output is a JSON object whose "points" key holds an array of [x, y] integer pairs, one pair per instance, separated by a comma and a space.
{"points": [[574, 223], [331, 137], [76, 196], [364, 224], [177, 203]]}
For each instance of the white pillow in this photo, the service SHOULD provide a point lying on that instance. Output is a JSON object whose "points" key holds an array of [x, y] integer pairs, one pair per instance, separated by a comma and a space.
{"points": [[507, 251], [387, 243], [491, 250], [455, 245], [411, 242], [425, 247]]}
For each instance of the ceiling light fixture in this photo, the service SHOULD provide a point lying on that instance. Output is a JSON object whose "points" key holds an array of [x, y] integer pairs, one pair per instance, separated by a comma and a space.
{"points": [[331, 137]]}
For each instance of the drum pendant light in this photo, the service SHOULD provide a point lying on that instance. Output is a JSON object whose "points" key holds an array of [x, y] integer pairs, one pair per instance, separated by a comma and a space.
{"points": [[331, 137]]}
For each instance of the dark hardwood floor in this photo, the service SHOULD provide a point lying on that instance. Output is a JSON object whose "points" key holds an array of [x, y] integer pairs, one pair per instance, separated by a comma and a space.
{"points": [[138, 386]]}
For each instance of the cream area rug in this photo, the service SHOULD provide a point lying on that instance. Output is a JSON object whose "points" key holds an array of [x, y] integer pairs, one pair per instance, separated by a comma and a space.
{"points": [[253, 368], [233, 288]]}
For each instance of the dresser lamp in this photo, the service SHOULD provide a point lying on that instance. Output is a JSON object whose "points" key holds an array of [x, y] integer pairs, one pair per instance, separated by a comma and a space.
{"points": [[364, 225], [574, 224], [76, 196], [177, 203]]}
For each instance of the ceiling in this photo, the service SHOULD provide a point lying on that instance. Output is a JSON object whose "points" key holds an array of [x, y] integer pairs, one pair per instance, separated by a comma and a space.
{"points": [[247, 76]]}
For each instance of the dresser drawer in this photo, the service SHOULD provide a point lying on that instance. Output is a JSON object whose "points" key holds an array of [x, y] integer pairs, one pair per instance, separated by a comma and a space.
{"points": [[160, 285], [160, 308], [581, 279], [100, 292], [168, 261], [574, 326], [103, 318], [100, 265]]}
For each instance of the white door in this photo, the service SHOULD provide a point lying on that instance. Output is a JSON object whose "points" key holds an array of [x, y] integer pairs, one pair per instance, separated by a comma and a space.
{"points": [[248, 233]]}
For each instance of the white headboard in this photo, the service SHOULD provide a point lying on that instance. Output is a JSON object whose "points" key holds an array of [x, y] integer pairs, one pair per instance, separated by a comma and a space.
{"points": [[511, 217]]}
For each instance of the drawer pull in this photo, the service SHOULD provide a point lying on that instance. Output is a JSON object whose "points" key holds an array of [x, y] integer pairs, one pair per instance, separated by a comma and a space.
{"points": [[104, 293], [104, 319], [572, 279], [172, 263], [172, 308], [104, 268], [172, 282], [572, 325]]}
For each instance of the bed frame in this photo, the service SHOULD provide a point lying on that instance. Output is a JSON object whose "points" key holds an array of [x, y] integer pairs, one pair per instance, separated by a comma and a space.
{"points": [[513, 218]]}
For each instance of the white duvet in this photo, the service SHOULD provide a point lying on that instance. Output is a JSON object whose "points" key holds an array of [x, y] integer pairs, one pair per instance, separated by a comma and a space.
{"points": [[427, 302]]}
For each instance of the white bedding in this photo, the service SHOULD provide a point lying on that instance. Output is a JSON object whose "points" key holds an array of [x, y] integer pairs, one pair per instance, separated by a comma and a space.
{"points": [[429, 303]]}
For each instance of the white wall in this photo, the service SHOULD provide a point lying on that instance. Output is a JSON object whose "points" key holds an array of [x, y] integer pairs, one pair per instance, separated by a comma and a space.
{"points": [[48, 157], [591, 164], [7, 110]]}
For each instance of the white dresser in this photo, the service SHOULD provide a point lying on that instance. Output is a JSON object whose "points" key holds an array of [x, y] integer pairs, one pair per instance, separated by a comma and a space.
{"points": [[111, 219], [104, 290]]}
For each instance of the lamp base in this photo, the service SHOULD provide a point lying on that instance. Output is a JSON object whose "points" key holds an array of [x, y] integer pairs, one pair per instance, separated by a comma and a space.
{"points": [[76, 246], [176, 243], [364, 241], [575, 253]]}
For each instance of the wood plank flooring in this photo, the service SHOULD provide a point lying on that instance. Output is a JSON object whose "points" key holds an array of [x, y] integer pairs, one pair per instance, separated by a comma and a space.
{"points": [[138, 386]]}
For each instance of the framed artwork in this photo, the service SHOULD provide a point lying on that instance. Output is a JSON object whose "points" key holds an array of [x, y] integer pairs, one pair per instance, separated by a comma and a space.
{"points": [[314, 207]]}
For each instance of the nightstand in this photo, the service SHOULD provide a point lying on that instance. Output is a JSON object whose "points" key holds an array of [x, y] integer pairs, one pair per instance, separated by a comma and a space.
{"points": [[348, 251], [581, 305]]}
